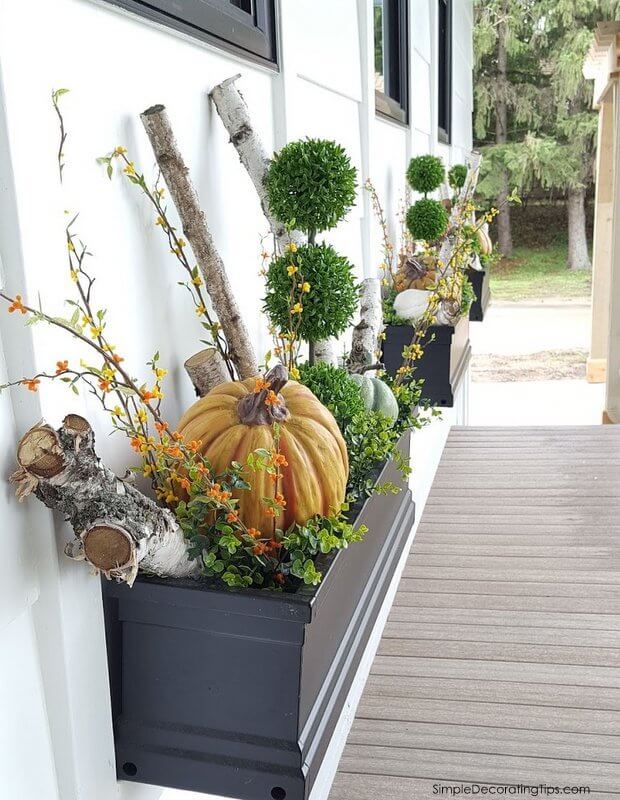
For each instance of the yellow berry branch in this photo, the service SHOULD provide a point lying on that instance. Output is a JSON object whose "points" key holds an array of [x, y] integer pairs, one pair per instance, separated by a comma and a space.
{"points": [[177, 246]]}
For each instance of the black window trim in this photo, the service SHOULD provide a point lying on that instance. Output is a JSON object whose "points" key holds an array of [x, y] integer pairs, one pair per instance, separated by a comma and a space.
{"points": [[444, 134], [219, 23], [385, 106]]}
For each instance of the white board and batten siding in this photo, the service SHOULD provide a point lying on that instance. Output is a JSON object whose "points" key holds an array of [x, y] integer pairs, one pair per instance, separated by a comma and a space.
{"points": [[55, 734]]}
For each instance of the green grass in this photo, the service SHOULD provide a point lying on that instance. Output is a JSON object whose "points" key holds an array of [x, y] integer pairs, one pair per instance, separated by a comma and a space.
{"points": [[534, 273]]}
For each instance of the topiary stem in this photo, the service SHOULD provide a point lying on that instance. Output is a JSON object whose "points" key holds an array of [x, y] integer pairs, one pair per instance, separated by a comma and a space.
{"points": [[311, 353]]}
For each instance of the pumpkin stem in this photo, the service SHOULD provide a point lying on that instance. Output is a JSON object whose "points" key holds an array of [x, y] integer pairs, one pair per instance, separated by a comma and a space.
{"points": [[371, 367], [267, 405]]}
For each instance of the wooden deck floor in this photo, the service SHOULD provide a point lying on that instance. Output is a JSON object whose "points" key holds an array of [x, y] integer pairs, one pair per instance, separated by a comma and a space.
{"points": [[500, 662]]}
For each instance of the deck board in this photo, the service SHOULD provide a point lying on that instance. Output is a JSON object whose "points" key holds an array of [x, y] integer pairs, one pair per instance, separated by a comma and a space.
{"points": [[500, 661]]}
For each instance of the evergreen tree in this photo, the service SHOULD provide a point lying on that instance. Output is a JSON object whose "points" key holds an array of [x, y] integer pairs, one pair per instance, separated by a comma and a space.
{"points": [[506, 90], [549, 137]]}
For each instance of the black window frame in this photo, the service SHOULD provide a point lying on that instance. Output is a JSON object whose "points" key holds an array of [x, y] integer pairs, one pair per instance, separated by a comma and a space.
{"points": [[444, 71], [217, 22], [394, 102]]}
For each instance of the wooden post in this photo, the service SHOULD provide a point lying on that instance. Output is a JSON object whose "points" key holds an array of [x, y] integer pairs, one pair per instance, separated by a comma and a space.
{"points": [[612, 393], [602, 248]]}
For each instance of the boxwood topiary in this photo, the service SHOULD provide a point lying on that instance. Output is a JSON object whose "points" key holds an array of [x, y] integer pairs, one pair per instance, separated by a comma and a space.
{"points": [[335, 389], [370, 436], [457, 175], [426, 173], [427, 219], [331, 300], [311, 185]]}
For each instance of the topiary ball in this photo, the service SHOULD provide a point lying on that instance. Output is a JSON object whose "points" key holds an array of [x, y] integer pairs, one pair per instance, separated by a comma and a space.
{"points": [[334, 389], [427, 219], [327, 307], [457, 175], [311, 185], [426, 173]]}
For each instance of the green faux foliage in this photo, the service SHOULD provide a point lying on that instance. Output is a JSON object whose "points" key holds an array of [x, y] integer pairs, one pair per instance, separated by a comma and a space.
{"points": [[319, 536], [427, 219], [370, 436], [311, 185], [371, 440], [328, 306], [457, 176], [390, 317], [425, 173], [468, 296], [335, 389]]}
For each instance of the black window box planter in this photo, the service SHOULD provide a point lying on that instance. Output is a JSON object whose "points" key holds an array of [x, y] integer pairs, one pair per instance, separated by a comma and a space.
{"points": [[479, 280], [446, 355], [237, 693]]}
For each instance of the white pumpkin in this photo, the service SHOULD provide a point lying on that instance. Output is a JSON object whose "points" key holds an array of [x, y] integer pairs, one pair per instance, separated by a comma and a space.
{"points": [[411, 304], [475, 263]]}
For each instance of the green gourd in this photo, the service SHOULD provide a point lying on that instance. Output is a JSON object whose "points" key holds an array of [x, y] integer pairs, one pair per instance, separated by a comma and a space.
{"points": [[377, 395]]}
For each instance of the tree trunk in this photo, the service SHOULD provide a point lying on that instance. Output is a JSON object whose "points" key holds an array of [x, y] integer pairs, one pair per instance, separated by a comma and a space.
{"points": [[504, 230], [578, 257]]}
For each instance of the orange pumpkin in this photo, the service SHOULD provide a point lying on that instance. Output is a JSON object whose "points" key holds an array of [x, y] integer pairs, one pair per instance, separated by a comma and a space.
{"points": [[233, 420]]}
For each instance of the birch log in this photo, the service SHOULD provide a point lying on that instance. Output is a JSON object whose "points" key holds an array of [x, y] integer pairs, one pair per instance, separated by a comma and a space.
{"points": [[206, 370], [117, 528], [235, 116], [176, 175], [365, 340], [324, 350], [465, 195]]}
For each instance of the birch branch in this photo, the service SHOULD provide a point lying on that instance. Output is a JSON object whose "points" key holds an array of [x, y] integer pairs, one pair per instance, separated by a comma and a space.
{"points": [[365, 339], [324, 351], [117, 528], [176, 175], [465, 195], [235, 116]]}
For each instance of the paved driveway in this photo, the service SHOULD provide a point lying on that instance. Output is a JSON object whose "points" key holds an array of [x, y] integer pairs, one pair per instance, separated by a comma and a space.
{"points": [[551, 330]]}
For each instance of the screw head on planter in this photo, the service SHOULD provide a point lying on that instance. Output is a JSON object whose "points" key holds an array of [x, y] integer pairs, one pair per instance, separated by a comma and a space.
{"points": [[311, 185], [329, 304], [457, 175], [426, 173], [427, 219]]}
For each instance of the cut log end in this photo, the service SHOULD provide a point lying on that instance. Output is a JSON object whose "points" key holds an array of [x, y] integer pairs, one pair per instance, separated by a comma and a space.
{"points": [[153, 110], [108, 547], [39, 452], [206, 370], [225, 83], [77, 425]]}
